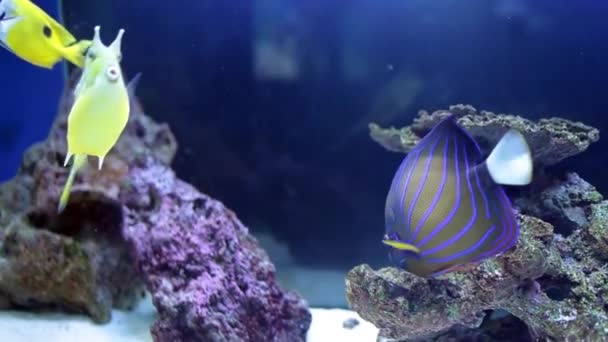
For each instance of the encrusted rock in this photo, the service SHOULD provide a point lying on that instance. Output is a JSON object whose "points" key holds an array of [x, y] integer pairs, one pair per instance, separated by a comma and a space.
{"points": [[209, 278], [551, 140], [554, 280], [563, 201], [77, 260]]}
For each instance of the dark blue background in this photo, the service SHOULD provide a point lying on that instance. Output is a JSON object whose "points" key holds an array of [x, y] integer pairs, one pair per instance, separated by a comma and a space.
{"points": [[29, 101], [279, 153]]}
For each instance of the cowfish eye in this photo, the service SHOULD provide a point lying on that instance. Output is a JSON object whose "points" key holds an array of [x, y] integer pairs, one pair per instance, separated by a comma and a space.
{"points": [[112, 73], [119, 57], [91, 54]]}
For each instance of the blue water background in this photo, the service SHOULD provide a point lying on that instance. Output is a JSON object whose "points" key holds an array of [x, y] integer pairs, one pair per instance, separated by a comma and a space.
{"points": [[294, 156]]}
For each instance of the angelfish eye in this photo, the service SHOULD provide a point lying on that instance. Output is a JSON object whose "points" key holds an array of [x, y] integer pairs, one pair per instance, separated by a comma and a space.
{"points": [[112, 73]]}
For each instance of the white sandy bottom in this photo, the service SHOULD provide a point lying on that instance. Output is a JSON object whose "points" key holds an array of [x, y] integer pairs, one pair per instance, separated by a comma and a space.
{"points": [[327, 325]]}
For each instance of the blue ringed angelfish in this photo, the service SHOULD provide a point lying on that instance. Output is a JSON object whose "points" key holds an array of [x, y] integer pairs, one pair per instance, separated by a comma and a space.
{"points": [[446, 207]]}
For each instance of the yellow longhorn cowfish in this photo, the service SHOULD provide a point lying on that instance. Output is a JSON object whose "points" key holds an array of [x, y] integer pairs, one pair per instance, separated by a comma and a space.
{"points": [[101, 108], [33, 35]]}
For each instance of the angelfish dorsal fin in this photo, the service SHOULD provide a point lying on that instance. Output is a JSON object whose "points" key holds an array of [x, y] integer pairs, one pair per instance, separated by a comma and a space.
{"points": [[449, 127]]}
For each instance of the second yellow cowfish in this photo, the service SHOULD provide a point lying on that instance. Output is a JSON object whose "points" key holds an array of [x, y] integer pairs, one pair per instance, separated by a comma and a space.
{"points": [[101, 108], [34, 36]]}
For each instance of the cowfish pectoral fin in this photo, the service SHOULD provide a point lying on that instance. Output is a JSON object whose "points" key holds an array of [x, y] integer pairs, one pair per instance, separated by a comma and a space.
{"points": [[131, 88], [79, 161], [402, 246], [510, 162], [133, 84]]}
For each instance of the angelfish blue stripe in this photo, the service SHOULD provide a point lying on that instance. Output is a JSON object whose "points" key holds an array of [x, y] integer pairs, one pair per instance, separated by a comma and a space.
{"points": [[397, 179], [443, 223], [469, 224], [407, 181], [422, 183], [444, 177], [512, 217], [466, 251], [507, 228], [483, 193]]}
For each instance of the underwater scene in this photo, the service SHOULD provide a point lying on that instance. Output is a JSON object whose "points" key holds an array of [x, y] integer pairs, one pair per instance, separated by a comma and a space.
{"points": [[303, 170]]}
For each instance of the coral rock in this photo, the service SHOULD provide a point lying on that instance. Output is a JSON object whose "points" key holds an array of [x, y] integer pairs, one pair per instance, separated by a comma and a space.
{"points": [[556, 285], [555, 278], [77, 260], [551, 140], [209, 279], [562, 201]]}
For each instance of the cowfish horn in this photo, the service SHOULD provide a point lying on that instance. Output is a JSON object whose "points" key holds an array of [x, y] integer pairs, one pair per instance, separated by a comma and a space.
{"points": [[116, 44], [97, 44]]}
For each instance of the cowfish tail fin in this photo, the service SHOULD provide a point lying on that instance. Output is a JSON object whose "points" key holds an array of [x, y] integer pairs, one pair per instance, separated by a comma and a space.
{"points": [[79, 160], [510, 162], [76, 52]]}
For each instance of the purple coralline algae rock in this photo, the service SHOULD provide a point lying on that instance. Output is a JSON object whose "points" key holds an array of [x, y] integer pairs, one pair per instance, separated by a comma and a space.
{"points": [[209, 279], [77, 260], [131, 224]]}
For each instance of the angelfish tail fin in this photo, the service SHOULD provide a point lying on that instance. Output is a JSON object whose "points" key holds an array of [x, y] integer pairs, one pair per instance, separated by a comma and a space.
{"points": [[510, 162]]}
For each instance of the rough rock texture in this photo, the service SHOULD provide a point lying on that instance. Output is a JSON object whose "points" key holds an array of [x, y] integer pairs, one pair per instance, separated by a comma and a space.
{"points": [[209, 279], [562, 201], [570, 302], [555, 279], [551, 140], [77, 260]]}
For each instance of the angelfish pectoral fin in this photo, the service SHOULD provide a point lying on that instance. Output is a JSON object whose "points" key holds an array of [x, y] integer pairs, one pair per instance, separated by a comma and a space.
{"points": [[402, 246]]}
